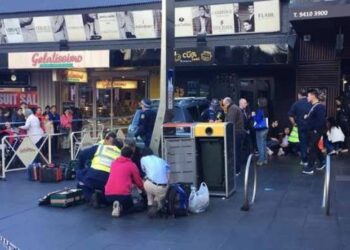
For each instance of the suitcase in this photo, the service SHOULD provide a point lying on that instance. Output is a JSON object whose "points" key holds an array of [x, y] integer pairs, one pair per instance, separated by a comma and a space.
{"points": [[33, 171], [67, 198], [69, 172], [52, 174]]}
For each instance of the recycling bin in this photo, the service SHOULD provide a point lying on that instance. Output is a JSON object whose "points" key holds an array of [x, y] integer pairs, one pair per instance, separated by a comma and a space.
{"points": [[179, 150], [215, 157]]}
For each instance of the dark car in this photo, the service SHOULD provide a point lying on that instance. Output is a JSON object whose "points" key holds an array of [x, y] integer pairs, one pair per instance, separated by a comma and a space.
{"points": [[186, 109]]}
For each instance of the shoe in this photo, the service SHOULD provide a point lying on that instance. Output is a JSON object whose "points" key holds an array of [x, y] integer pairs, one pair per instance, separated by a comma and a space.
{"points": [[308, 172], [321, 168], [280, 152], [116, 209], [238, 173], [152, 211], [94, 200], [345, 150], [333, 152], [303, 163], [259, 163], [265, 162], [269, 152]]}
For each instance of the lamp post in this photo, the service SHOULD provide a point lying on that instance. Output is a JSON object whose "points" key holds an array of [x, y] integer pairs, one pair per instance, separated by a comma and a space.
{"points": [[166, 71]]}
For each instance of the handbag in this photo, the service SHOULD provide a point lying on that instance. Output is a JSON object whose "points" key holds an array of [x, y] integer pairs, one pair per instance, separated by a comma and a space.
{"points": [[262, 124]]}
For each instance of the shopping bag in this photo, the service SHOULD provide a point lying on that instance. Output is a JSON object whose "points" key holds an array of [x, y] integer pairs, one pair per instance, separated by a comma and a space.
{"points": [[199, 200]]}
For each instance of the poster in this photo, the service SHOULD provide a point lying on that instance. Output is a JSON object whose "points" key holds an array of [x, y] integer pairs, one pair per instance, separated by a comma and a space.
{"points": [[28, 30], [267, 15], [109, 27], [244, 17], [43, 29], [144, 24], [27, 151], [58, 26], [126, 24], [183, 22], [91, 26], [222, 19], [75, 28], [13, 30], [3, 39], [201, 21]]}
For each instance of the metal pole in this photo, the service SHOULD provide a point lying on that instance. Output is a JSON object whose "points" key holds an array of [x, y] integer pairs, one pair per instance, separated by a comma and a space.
{"points": [[49, 143], [166, 70], [3, 158]]}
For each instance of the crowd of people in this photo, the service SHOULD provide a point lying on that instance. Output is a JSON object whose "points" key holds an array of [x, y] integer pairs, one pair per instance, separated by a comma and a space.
{"points": [[109, 169], [310, 133], [35, 123]]}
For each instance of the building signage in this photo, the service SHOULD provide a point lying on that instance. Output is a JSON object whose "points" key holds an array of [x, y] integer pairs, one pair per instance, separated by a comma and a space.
{"points": [[76, 76], [312, 9], [194, 56], [215, 19], [14, 99], [59, 59], [116, 84]]}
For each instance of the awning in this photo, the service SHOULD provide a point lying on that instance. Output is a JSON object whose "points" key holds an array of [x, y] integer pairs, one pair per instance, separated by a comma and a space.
{"points": [[20, 6]]}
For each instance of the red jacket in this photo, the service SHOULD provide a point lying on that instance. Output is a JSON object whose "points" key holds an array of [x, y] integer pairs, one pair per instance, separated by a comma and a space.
{"points": [[123, 174]]}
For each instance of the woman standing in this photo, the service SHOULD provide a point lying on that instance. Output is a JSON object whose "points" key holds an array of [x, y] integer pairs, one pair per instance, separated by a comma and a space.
{"points": [[343, 120], [66, 127], [33, 126], [261, 124]]}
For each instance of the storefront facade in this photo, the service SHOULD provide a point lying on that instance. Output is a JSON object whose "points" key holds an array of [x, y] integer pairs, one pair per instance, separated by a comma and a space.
{"points": [[223, 48], [323, 47]]}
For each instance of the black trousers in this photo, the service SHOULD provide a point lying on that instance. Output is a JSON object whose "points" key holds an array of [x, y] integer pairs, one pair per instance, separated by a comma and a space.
{"points": [[314, 152]]}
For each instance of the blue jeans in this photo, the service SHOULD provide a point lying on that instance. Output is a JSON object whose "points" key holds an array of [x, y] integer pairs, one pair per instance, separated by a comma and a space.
{"points": [[303, 139], [261, 136]]}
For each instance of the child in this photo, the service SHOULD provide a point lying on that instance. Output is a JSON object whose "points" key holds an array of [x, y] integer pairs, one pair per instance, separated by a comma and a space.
{"points": [[335, 137], [48, 125]]}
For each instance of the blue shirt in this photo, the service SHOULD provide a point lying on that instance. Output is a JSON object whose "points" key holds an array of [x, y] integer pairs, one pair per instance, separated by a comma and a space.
{"points": [[155, 168]]}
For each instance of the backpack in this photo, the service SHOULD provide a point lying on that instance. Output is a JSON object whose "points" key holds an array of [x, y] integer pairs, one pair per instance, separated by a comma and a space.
{"points": [[176, 201]]}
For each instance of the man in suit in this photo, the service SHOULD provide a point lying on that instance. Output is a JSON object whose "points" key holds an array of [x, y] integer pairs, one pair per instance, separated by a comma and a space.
{"points": [[251, 17], [237, 20], [202, 23]]}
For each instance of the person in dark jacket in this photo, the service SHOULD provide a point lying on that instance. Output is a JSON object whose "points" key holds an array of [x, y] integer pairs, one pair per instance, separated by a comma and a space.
{"points": [[343, 119], [235, 116], [18, 118], [146, 122], [214, 113], [296, 116], [316, 124]]}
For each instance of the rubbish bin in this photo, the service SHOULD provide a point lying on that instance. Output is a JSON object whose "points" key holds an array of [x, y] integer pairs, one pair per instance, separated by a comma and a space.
{"points": [[179, 150], [215, 157]]}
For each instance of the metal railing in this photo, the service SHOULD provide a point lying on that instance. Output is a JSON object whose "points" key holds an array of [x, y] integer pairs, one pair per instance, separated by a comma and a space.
{"points": [[326, 201], [248, 202]]}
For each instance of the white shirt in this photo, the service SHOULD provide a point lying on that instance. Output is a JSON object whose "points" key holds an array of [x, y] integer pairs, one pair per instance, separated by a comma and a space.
{"points": [[335, 134], [33, 128], [155, 168], [203, 28]]}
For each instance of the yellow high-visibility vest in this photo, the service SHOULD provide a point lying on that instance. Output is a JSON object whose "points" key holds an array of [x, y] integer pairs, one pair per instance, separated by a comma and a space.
{"points": [[294, 135], [104, 157]]}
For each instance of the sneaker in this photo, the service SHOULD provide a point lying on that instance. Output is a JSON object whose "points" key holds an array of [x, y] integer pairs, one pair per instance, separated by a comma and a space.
{"points": [[238, 173], [116, 209], [259, 163], [94, 200], [280, 152], [321, 168], [269, 152], [333, 152], [303, 163], [345, 150], [308, 172], [265, 162]]}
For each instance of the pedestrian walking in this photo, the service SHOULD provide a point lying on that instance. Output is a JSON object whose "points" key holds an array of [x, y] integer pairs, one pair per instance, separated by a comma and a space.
{"points": [[316, 123]]}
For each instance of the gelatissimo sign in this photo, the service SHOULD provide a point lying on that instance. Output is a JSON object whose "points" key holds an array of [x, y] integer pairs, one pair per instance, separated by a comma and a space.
{"points": [[76, 76], [316, 9], [194, 56], [59, 59]]}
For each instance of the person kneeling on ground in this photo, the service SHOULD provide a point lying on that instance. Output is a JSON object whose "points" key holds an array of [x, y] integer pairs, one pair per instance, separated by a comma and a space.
{"points": [[335, 137], [157, 173], [124, 174], [95, 177]]}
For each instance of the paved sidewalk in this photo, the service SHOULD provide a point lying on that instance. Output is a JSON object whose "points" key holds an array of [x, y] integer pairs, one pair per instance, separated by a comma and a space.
{"points": [[287, 215]]}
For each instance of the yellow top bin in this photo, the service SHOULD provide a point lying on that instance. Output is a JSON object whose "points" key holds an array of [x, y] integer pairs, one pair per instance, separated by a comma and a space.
{"points": [[217, 129]]}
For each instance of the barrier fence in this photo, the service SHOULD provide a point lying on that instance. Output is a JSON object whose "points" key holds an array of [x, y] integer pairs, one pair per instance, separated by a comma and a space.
{"points": [[19, 151]]}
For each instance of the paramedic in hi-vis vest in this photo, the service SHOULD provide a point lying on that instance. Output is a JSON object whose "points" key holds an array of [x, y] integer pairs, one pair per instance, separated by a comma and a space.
{"points": [[95, 177]]}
